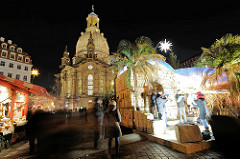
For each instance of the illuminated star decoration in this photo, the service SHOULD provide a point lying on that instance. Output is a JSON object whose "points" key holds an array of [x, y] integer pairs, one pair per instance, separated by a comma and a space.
{"points": [[165, 45]]}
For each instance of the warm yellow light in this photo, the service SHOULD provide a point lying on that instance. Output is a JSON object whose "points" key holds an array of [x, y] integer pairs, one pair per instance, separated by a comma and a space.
{"points": [[112, 83], [35, 72]]}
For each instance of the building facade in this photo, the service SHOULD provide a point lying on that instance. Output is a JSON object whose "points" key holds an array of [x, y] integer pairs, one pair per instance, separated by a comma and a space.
{"points": [[89, 75], [14, 62]]}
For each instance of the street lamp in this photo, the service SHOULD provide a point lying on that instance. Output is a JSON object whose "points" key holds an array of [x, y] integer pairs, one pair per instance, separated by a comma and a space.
{"points": [[34, 73]]}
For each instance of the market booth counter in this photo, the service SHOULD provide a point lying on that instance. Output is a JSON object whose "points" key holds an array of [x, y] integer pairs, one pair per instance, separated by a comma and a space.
{"points": [[14, 100]]}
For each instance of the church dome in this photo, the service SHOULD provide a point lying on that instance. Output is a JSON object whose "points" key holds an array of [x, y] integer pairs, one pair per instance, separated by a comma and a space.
{"points": [[100, 42]]}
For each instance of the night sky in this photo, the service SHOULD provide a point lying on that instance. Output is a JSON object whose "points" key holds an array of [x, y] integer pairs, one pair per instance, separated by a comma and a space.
{"points": [[43, 29]]}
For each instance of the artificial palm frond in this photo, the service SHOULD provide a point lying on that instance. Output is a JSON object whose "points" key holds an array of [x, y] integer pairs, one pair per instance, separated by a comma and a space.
{"points": [[137, 58], [128, 78], [224, 57]]}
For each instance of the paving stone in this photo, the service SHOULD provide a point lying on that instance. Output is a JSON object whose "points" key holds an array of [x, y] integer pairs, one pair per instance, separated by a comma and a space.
{"points": [[132, 149]]}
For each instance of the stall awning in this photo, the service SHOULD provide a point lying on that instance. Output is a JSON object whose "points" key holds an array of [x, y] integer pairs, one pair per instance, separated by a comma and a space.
{"points": [[24, 86]]}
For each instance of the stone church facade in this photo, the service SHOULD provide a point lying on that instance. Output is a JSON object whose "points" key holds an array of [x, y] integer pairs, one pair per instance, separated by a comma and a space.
{"points": [[89, 75]]}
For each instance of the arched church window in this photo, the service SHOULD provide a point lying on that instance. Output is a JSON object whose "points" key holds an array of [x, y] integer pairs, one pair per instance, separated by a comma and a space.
{"points": [[90, 84], [68, 88], [90, 79]]}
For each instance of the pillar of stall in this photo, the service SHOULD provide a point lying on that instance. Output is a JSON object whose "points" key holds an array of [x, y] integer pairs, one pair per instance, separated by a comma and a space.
{"points": [[12, 104], [26, 104]]}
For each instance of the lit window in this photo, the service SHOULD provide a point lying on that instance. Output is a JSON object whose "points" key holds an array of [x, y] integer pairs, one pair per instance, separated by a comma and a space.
{"points": [[90, 79], [90, 67], [90, 92], [90, 87], [90, 84]]}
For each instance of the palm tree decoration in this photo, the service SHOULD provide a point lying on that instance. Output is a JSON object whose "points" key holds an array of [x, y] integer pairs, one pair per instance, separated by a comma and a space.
{"points": [[136, 57], [222, 57]]}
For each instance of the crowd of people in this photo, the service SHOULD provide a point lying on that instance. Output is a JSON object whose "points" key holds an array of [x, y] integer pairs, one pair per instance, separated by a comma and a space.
{"points": [[107, 117], [192, 102]]}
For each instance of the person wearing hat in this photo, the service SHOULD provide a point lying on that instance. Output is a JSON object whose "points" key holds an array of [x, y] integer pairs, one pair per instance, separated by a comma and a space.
{"points": [[203, 110], [111, 122]]}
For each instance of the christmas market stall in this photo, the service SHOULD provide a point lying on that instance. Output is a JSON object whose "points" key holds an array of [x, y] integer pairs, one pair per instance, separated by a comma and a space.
{"points": [[14, 103]]}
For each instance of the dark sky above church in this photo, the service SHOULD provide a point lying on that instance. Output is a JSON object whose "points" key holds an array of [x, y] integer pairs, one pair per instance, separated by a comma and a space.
{"points": [[43, 28]]}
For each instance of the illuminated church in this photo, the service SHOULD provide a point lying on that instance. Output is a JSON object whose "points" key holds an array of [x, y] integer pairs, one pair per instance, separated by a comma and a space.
{"points": [[89, 75]]}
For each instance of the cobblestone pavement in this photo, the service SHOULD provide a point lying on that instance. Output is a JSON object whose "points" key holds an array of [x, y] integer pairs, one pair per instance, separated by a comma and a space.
{"points": [[147, 150], [131, 147]]}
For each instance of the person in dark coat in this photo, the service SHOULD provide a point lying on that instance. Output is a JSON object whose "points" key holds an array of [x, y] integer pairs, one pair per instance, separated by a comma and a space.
{"points": [[203, 110], [153, 102], [31, 129], [112, 119], [98, 111], [85, 113]]}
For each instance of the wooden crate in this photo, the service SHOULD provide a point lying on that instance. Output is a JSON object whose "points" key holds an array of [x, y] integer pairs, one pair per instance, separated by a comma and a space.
{"points": [[140, 125], [135, 122], [150, 126]]}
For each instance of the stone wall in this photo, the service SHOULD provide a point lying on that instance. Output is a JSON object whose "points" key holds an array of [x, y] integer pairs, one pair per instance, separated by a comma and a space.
{"points": [[126, 98], [167, 79]]}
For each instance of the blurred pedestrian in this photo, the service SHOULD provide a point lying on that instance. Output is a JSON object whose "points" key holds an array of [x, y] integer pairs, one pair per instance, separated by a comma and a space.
{"points": [[153, 102], [80, 112], [112, 119], [161, 107], [98, 111], [181, 107], [203, 110], [191, 102], [31, 129], [85, 113], [68, 116]]}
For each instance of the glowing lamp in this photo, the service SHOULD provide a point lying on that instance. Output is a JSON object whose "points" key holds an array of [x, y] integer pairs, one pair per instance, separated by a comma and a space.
{"points": [[34, 72]]}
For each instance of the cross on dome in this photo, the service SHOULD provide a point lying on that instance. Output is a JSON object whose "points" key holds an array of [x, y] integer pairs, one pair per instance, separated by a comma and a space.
{"points": [[92, 21], [92, 13]]}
